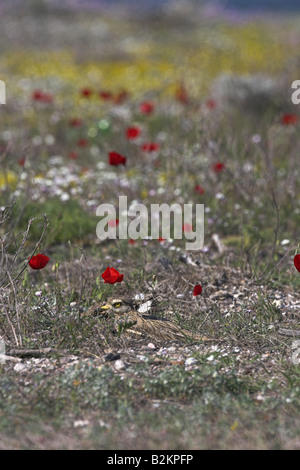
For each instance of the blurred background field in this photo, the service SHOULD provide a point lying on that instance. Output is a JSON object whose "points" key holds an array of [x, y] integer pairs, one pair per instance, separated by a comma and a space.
{"points": [[216, 76], [140, 50]]}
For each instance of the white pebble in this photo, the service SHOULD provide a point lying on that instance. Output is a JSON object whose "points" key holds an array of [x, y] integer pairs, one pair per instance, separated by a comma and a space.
{"points": [[119, 364], [80, 423]]}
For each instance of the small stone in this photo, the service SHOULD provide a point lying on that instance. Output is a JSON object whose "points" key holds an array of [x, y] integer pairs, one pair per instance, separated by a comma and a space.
{"points": [[260, 397], [20, 367], [189, 361], [139, 297], [162, 351], [81, 423], [103, 424], [142, 358], [120, 365], [145, 307]]}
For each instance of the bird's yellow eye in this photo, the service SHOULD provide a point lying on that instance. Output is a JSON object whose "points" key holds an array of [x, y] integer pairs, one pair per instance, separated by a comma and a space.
{"points": [[117, 304]]}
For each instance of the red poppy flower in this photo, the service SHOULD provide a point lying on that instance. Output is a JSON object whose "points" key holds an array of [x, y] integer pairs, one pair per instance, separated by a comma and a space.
{"points": [[75, 122], [211, 104], [86, 92], [199, 189], [218, 167], [297, 262], [105, 95], [181, 94], [116, 159], [147, 107], [73, 155], [150, 147], [197, 290], [21, 161], [47, 98], [82, 142], [187, 227], [133, 132], [131, 241], [38, 261], [111, 275], [121, 96], [289, 119], [113, 222], [39, 95]]}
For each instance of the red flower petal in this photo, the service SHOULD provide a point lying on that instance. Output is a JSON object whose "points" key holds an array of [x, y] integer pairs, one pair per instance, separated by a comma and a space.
{"points": [[197, 290], [39, 95], [75, 122], [82, 143], [147, 107], [121, 96], [86, 92], [105, 95], [289, 119], [116, 159], [150, 147], [72, 155], [211, 104], [113, 223], [38, 261], [111, 275], [47, 98], [133, 132], [218, 167], [187, 227], [297, 262], [181, 94], [199, 189]]}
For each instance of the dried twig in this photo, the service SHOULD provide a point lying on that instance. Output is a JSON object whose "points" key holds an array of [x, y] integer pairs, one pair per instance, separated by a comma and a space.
{"points": [[286, 332], [25, 237], [20, 342], [43, 352]]}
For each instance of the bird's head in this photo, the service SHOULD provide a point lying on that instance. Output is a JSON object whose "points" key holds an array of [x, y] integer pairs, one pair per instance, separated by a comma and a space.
{"points": [[115, 306]]}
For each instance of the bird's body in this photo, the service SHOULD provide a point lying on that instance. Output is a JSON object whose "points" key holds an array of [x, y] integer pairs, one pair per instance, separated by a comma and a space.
{"points": [[128, 320]]}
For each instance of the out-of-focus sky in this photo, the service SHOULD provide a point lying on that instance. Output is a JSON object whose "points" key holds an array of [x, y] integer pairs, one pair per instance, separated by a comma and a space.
{"points": [[275, 5], [263, 4], [244, 5]]}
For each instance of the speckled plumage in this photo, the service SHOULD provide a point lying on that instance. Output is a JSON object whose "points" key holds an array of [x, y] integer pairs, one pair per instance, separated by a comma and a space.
{"points": [[144, 324]]}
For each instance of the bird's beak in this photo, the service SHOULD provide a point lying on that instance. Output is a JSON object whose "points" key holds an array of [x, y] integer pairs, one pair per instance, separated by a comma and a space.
{"points": [[105, 307]]}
